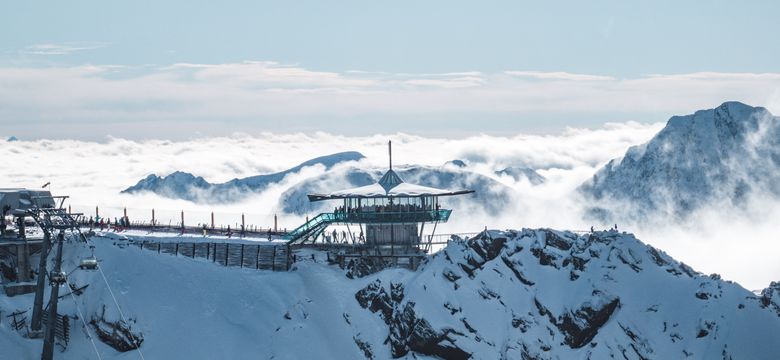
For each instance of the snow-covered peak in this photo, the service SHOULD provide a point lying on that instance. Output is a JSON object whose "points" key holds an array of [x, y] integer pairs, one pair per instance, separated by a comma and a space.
{"points": [[522, 173], [720, 154], [183, 185], [546, 294]]}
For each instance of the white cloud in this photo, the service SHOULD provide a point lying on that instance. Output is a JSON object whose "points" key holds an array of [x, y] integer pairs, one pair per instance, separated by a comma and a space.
{"points": [[60, 49], [558, 75], [268, 90]]}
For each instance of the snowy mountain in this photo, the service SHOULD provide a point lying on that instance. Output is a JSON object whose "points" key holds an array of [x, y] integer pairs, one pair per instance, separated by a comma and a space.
{"points": [[720, 155], [490, 194], [529, 294], [456, 163], [182, 185], [520, 173], [517, 173], [544, 294]]}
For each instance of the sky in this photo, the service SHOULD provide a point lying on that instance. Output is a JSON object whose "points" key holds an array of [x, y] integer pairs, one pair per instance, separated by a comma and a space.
{"points": [[183, 69]]}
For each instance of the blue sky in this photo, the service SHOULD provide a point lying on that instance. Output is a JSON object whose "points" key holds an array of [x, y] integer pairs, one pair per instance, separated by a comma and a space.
{"points": [[619, 41]]}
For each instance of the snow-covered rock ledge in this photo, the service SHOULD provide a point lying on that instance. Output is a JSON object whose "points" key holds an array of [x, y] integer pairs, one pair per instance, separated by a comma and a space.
{"points": [[545, 294]]}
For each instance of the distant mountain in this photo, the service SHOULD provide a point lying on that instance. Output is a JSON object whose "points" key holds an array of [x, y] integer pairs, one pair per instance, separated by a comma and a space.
{"points": [[520, 173], [182, 185], [517, 173], [490, 194], [456, 163], [720, 155]]}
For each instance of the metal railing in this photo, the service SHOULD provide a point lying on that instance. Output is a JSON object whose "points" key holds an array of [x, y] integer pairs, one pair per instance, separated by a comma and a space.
{"points": [[314, 224]]}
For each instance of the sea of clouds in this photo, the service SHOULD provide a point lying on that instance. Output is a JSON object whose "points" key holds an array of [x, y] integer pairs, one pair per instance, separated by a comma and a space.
{"points": [[740, 245]]}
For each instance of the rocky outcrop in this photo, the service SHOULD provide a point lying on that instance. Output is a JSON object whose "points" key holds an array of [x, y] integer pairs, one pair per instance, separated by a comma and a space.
{"points": [[546, 294], [364, 266], [770, 297], [581, 325], [407, 331]]}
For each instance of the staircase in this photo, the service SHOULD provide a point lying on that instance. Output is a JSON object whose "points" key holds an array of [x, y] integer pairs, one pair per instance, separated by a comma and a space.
{"points": [[313, 228]]}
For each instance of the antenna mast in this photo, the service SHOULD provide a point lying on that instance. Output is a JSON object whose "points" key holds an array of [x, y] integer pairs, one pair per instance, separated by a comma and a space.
{"points": [[390, 151]]}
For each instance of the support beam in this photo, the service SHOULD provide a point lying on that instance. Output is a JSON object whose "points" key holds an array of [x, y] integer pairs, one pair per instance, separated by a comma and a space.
{"points": [[23, 262], [38, 302], [48, 340]]}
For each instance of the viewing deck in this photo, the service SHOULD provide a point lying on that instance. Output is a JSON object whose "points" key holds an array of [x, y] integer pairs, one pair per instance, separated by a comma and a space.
{"points": [[319, 222], [441, 215]]}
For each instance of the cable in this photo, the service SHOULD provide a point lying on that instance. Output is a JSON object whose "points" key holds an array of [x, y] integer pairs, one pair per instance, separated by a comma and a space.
{"points": [[121, 315], [86, 328]]}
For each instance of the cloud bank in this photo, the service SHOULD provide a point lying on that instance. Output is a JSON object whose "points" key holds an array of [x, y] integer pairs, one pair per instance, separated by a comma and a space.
{"points": [[738, 246]]}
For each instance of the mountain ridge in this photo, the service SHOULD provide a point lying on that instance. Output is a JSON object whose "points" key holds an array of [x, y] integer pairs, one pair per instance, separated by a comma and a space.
{"points": [[183, 185], [723, 155]]}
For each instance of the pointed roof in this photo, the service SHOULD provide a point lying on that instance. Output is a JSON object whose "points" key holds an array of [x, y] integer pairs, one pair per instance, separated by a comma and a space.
{"points": [[390, 180], [390, 185]]}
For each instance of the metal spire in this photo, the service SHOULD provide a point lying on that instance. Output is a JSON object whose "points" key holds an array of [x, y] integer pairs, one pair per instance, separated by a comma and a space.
{"points": [[390, 151]]}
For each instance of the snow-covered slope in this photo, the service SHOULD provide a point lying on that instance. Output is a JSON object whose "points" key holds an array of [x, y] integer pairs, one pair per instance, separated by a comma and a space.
{"points": [[522, 173], [530, 294], [182, 185], [490, 194], [543, 294], [719, 155]]}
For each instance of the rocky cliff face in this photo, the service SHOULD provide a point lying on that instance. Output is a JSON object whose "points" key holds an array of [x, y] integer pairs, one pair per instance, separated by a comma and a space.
{"points": [[770, 297], [544, 294], [721, 155]]}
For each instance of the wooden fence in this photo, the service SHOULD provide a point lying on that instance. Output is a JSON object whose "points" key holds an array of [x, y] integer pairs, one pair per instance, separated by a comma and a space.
{"points": [[261, 257]]}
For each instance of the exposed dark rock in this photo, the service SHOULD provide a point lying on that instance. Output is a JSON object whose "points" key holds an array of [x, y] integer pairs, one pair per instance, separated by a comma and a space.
{"points": [[556, 241], [656, 256], [408, 332], [514, 267], [580, 326], [545, 258], [364, 266], [365, 347], [770, 297], [451, 276], [374, 298], [484, 248], [451, 308]]}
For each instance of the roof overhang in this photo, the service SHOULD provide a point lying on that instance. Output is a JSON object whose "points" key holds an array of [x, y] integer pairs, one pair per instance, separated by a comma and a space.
{"points": [[374, 191]]}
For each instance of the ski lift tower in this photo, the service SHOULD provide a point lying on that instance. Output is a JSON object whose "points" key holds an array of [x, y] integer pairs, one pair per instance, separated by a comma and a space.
{"points": [[391, 214], [41, 209]]}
